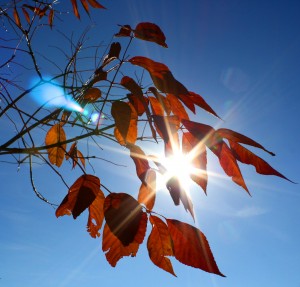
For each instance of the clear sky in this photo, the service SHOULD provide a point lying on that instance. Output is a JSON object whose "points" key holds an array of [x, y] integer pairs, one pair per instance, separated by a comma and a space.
{"points": [[243, 58]]}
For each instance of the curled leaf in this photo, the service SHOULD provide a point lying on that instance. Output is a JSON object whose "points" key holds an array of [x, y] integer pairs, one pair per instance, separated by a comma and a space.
{"points": [[125, 31], [92, 95], [80, 196]]}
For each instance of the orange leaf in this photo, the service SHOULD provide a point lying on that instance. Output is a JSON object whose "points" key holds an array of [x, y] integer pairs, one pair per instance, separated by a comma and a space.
{"points": [[236, 137], [197, 151], [96, 215], [85, 5], [81, 157], [80, 196], [166, 126], [161, 76], [26, 15], [245, 156], [162, 100], [147, 192], [156, 107], [150, 32], [178, 194], [160, 245], [131, 135], [137, 103], [75, 8], [114, 248], [55, 136], [140, 161], [17, 18], [176, 107], [200, 102], [50, 18], [229, 164], [136, 90], [121, 113], [191, 247], [123, 215], [92, 95], [95, 4]]}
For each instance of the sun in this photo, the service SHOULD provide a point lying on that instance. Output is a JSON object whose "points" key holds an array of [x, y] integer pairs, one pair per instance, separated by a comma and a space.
{"points": [[178, 165]]}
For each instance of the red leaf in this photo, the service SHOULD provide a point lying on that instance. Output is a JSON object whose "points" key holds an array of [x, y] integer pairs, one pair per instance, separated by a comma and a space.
{"points": [[161, 76], [85, 6], [140, 160], [50, 18], [200, 102], [147, 192], [114, 52], [156, 107], [245, 156], [125, 31], [17, 17], [92, 95], [80, 196], [160, 245], [26, 15], [229, 164], [150, 32], [191, 247], [121, 113], [176, 107], [135, 89], [197, 151], [75, 8], [166, 126], [123, 215], [114, 248], [95, 4], [236, 137], [138, 104], [162, 100]]}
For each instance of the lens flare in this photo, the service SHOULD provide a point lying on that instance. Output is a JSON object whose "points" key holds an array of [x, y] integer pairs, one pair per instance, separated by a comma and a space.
{"points": [[49, 94]]}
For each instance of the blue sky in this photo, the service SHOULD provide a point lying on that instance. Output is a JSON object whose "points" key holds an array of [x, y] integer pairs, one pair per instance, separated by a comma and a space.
{"points": [[243, 58]]}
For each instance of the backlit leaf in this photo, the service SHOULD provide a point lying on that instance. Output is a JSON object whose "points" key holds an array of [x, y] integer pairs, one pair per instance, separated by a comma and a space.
{"points": [[85, 6], [121, 113], [237, 137], [92, 95], [161, 76], [96, 215], [162, 100], [140, 160], [197, 151], [200, 102], [80, 196], [176, 107], [55, 136], [191, 247], [131, 135], [138, 104], [114, 52], [150, 32], [166, 126], [114, 248], [160, 245], [136, 90], [17, 17], [95, 4], [147, 192], [75, 8], [26, 15], [246, 156], [50, 18], [156, 107], [123, 215]]}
